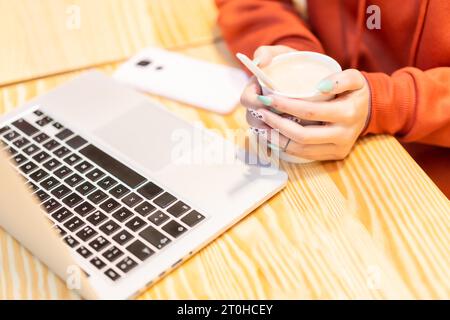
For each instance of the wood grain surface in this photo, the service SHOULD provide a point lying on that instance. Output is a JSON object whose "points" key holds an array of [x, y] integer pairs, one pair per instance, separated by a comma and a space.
{"points": [[371, 226]]}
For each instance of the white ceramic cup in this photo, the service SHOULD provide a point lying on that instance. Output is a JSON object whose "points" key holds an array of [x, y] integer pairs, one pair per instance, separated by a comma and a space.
{"points": [[315, 95]]}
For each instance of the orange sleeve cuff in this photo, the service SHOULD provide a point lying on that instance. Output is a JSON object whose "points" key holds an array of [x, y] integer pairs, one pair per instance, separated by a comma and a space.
{"points": [[391, 103]]}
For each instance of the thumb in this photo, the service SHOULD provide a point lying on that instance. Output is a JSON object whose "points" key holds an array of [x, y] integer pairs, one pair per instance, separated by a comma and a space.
{"points": [[347, 80], [264, 54]]}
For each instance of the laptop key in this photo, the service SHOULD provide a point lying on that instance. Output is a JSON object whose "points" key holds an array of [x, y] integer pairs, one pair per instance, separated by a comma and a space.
{"points": [[165, 200], [57, 125], [99, 243], [72, 159], [74, 224], [136, 224], [52, 164], [49, 183], [32, 186], [122, 237], [154, 237], [25, 127], [149, 190], [31, 149], [41, 195], [96, 218], [84, 252], [61, 152], [178, 209], [38, 113], [19, 143], [132, 200], [62, 172], [71, 241], [107, 183], [86, 233], [41, 137], [109, 227], [98, 263], [50, 145], [140, 250], [83, 167], [12, 151], [41, 157], [72, 200], [38, 175], [28, 167], [97, 196], [114, 167], [109, 205], [192, 218], [19, 159], [174, 228], [51, 205], [113, 275], [119, 191], [95, 174], [126, 264], [61, 191], [44, 121], [122, 214], [84, 209], [112, 254], [158, 218], [11, 135], [64, 134], [4, 129], [85, 188], [74, 180], [62, 215], [76, 142], [145, 208]]}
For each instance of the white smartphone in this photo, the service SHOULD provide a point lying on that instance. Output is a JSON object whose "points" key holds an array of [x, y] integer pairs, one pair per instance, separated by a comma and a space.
{"points": [[199, 83]]}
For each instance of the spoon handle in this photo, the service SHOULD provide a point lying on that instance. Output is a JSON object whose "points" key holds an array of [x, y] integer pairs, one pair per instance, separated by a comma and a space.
{"points": [[255, 70]]}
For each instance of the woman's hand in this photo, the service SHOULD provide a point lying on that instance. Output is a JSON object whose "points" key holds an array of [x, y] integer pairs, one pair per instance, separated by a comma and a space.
{"points": [[345, 118], [262, 57]]}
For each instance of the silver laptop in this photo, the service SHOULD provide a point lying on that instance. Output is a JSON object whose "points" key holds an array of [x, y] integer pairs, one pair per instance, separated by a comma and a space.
{"points": [[112, 191]]}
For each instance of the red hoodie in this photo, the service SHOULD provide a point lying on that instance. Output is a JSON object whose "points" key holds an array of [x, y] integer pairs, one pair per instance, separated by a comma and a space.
{"points": [[406, 61]]}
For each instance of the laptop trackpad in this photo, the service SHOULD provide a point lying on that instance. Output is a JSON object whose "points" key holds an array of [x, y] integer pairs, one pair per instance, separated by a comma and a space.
{"points": [[146, 134]]}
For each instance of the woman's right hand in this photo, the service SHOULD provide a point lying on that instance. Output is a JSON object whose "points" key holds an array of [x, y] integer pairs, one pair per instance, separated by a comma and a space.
{"points": [[249, 98]]}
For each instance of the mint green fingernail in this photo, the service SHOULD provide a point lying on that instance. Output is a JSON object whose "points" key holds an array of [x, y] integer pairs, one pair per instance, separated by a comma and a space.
{"points": [[267, 101], [325, 85], [275, 111], [273, 147], [257, 61]]}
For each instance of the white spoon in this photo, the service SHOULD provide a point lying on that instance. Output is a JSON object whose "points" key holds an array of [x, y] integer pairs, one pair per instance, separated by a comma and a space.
{"points": [[256, 70]]}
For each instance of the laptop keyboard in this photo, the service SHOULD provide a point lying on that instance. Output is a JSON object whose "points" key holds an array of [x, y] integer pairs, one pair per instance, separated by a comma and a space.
{"points": [[106, 212]]}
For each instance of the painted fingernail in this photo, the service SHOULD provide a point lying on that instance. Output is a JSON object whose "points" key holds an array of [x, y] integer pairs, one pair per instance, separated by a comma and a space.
{"points": [[256, 61], [256, 114], [259, 132], [275, 111], [273, 147], [325, 85], [267, 101]]}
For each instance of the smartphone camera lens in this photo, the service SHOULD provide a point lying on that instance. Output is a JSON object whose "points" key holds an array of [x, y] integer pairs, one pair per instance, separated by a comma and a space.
{"points": [[143, 63]]}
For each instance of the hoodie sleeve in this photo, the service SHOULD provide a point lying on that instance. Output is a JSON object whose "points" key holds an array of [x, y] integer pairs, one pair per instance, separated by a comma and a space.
{"points": [[412, 104], [248, 24]]}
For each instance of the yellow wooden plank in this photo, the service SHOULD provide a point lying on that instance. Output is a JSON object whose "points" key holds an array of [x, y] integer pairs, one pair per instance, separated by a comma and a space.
{"points": [[42, 37]]}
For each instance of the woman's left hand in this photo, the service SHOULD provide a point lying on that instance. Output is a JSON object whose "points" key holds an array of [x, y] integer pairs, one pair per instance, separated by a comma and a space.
{"points": [[345, 118]]}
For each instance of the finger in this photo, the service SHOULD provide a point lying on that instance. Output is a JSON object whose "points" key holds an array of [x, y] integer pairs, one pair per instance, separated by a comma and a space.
{"points": [[249, 97], [254, 121], [347, 80], [328, 111], [313, 152], [264, 54]]}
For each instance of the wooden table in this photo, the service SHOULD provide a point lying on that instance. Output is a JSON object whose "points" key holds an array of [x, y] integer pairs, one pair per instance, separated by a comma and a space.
{"points": [[371, 226]]}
